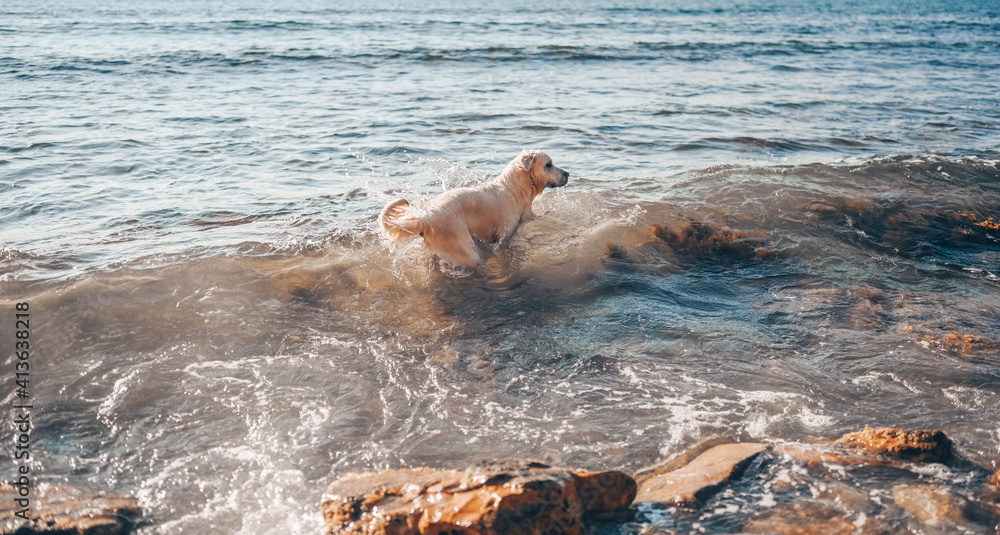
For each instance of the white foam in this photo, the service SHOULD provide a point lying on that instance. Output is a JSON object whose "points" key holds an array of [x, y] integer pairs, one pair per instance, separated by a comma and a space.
{"points": [[872, 379], [970, 399]]}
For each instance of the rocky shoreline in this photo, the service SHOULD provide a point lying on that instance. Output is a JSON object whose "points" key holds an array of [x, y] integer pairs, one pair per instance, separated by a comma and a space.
{"points": [[492, 497], [519, 496], [69, 510], [797, 488]]}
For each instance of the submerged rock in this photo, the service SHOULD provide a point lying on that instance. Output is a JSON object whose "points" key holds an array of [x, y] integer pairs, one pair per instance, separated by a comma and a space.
{"points": [[702, 477], [816, 456], [871, 308], [931, 504], [684, 237], [990, 500], [66, 509], [992, 490], [807, 518], [494, 497], [926, 446], [965, 344], [690, 235]]}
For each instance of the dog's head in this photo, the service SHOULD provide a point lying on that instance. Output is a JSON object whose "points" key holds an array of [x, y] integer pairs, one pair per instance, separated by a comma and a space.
{"points": [[537, 167]]}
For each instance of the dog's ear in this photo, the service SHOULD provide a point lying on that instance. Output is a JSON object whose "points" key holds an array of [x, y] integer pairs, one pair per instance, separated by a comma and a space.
{"points": [[526, 160]]}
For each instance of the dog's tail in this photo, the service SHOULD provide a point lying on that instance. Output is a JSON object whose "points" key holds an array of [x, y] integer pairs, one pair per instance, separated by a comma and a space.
{"points": [[396, 225]]}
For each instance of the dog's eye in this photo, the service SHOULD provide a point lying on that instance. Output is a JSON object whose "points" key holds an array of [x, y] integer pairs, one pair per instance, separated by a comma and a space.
{"points": [[548, 165]]}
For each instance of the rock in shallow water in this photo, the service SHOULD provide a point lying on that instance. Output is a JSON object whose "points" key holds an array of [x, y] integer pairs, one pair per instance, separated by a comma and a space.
{"points": [[919, 446], [932, 505], [805, 518], [494, 497], [827, 487], [698, 480], [69, 509]]}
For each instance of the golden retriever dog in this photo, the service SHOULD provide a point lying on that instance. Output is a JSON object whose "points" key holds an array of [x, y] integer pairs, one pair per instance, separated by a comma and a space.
{"points": [[457, 221]]}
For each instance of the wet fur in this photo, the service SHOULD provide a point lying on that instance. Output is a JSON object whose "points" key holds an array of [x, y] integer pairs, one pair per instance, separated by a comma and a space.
{"points": [[457, 221]]}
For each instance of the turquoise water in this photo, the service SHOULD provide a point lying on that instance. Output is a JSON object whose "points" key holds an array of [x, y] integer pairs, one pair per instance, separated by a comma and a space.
{"points": [[188, 195]]}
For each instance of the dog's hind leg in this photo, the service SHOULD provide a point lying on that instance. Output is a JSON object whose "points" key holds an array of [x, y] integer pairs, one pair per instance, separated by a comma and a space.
{"points": [[457, 248], [467, 255]]}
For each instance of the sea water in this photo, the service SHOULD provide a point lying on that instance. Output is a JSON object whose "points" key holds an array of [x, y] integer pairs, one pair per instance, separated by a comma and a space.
{"points": [[777, 216]]}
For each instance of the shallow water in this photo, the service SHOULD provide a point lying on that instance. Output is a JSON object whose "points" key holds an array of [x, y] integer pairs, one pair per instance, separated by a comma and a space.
{"points": [[776, 217]]}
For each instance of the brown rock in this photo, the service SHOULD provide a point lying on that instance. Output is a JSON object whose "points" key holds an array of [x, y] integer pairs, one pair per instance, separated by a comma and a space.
{"points": [[989, 501], [798, 520], [683, 459], [817, 456], [806, 518], [843, 496], [919, 446], [697, 236], [616, 252], [495, 497], [931, 504], [66, 509], [965, 344], [695, 482]]}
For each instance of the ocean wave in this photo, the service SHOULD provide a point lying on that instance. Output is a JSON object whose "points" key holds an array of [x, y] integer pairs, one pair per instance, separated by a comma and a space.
{"points": [[926, 208], [639, 51]]}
